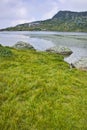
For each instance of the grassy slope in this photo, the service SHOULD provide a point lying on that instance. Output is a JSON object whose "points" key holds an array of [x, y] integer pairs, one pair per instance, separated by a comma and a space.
{"points": [[69, 25], [38, 91]]}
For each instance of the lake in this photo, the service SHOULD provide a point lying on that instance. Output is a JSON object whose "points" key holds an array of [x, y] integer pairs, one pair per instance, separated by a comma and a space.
{"points": [[43, 40]]}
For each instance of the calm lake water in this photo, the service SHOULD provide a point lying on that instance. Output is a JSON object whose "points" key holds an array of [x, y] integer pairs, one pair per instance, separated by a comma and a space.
{"points": [[42, 40]]}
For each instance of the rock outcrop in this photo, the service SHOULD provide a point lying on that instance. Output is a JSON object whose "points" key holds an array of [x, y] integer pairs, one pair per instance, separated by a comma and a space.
{"points": [[60, 50], [81, 64], [23, 45]]}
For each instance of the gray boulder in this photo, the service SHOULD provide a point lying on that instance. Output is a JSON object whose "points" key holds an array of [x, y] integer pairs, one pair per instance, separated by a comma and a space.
{"points": [[81, 64], [60, 50], [23, 45]]}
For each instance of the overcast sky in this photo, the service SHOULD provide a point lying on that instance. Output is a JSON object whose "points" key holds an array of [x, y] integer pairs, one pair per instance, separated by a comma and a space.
{"points": [[13, 12]]}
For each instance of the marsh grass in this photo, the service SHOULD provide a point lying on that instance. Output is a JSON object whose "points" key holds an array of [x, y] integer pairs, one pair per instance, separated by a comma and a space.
{"points": [[39, 91]]}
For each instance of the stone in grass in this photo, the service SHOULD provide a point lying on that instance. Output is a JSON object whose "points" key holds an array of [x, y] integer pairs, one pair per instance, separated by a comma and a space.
{"points": [[81, 64], [23, 45], [60, 50]]}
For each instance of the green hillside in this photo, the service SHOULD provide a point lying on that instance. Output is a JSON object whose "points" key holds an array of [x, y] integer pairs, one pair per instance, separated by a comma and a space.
{"points": [[39, 91], [62, 21]]}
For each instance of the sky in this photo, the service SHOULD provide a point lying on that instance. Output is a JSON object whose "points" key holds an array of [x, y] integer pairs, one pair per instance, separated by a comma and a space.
{"points": [[13, 12]]}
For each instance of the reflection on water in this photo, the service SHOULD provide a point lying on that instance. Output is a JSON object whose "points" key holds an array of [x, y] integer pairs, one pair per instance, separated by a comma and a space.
{"points": [[77, 42]]}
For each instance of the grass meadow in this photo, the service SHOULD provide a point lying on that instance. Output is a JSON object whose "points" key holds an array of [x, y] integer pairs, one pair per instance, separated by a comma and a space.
{"points": [[39, 91]]}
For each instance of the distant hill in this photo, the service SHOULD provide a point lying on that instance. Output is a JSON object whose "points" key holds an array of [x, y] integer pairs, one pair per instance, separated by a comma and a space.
{"points": [[69, 15], [62, 21]]}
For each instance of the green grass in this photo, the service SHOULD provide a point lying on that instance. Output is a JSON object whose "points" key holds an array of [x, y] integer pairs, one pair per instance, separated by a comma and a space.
{"points": [[39, 91], [5, 52]]}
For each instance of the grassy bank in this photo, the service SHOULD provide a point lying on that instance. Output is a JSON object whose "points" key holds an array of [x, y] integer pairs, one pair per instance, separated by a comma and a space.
{"points": [[39, 91]]}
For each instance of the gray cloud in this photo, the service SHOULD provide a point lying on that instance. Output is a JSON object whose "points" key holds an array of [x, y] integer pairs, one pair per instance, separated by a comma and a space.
{"points": [[14, 12]]}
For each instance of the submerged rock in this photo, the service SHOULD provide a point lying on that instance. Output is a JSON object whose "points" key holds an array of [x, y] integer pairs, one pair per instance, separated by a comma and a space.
{"points": [[81, 64], [60, 50], [23, 45]]}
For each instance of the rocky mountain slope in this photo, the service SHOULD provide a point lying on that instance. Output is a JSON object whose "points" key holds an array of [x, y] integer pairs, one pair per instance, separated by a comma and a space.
{"points": [[62, 21]]}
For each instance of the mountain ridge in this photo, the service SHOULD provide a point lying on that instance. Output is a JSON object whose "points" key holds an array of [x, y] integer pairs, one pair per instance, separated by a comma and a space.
{"points": [[66, 12], [61, 21]]}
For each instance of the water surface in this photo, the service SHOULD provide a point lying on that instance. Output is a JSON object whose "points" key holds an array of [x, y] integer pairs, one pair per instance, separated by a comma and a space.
{"points": [[42, 40]]}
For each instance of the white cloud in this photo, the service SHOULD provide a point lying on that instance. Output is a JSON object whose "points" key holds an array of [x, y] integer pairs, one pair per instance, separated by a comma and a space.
{"points": [[21, 21], [75, 5], [21, 12], [51, 12], [14, 12], [62, 1]]}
